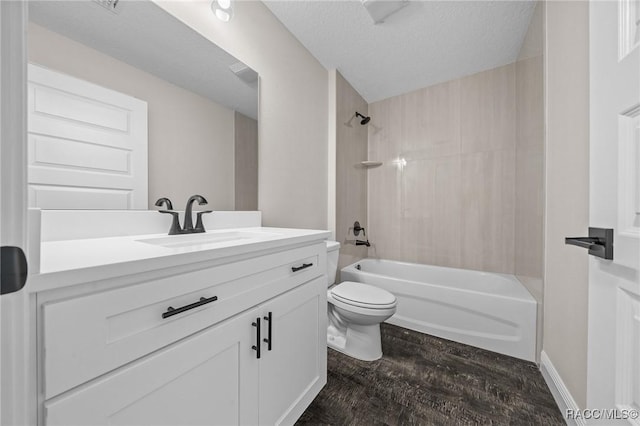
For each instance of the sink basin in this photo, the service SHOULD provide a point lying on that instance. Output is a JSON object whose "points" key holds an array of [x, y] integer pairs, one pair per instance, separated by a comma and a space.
{"points": [[189, 240]]}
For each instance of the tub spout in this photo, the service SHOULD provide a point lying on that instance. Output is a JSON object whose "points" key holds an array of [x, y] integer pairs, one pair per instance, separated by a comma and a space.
{"points": [[357, 242]]}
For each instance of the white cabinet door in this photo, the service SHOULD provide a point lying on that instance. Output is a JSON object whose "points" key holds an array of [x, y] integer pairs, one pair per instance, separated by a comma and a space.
{"points": [[295, 369], [207, 379]]}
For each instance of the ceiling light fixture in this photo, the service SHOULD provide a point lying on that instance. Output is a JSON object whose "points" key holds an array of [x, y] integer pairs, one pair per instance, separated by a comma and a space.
{"points": [[223, 9], [382, 9]]}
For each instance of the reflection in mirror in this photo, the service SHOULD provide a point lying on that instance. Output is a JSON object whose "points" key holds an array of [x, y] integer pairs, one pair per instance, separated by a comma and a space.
{"points": [[130, 105]]}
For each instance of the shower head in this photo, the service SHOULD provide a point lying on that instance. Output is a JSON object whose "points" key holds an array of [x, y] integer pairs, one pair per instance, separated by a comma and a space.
{"points": [[365, 119]]}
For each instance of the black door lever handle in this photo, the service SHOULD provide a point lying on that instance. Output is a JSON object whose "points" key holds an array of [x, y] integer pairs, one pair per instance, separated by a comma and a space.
{"points": [[13, 274], [599, 242], [584, 242]]}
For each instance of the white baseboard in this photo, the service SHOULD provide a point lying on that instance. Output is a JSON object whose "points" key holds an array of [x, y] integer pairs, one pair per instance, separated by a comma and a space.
{"points": [[559, 390]]}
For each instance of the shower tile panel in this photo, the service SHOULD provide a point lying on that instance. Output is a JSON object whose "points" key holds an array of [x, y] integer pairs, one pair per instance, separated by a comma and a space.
{"points": [[445, 194], [431, 217], [385, 129], [487, 112], [431, 120], [529, 103], [529, 218], [385, 226], [488, 201]]}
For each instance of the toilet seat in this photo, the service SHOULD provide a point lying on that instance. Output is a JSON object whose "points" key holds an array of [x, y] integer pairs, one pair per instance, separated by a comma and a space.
{"points": [[363, 295]]}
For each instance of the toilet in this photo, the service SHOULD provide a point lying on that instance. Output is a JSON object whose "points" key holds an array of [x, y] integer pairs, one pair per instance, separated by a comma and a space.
{"points": [[355, 311]]}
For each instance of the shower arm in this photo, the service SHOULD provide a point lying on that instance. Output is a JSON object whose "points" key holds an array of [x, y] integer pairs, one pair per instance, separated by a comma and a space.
{"points": [[365, 119]]}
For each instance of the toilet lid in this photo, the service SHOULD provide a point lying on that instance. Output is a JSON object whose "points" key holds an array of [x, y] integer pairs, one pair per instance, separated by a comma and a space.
{"points": [[360, 294]]}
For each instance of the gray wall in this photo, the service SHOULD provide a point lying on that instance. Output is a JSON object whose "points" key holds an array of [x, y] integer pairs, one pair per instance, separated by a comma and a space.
{"points": [[246, 162], [181, 122]]}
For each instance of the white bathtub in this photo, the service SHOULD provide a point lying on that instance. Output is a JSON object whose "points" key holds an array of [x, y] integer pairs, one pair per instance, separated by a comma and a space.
{"points": [[487, 310]]}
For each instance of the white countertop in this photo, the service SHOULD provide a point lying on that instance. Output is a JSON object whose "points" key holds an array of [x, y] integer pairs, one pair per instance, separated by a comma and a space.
{"points": [[64, 263]]}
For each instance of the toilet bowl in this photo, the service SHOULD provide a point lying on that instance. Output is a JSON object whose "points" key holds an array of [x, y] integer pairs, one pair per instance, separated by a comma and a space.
{"points": [[355, 311]]}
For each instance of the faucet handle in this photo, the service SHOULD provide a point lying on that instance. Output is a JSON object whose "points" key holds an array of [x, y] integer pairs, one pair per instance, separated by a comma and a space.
{"points": [[164, 200], [357, 228], [175, 222], [199, 225]]}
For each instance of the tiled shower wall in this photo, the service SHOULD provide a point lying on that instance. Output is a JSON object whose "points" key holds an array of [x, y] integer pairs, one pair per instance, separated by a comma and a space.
{"points": [[462, 174], [446, 193]]}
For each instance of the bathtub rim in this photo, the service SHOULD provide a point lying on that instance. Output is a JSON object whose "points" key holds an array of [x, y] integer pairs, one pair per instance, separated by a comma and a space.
{"points": [[527, 297]]}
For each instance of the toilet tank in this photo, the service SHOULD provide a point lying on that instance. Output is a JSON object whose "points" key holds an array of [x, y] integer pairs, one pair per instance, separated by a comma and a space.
{"points": [[333, 251]]}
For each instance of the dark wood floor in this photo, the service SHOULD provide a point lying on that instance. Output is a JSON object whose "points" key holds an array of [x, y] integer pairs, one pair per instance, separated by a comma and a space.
{"points": [[424, 380]]}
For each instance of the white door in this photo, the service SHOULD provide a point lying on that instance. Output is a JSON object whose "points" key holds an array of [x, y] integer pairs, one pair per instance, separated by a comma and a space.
{"points": [[87, 145], [295, 369], [208, 379], [613, 380]]}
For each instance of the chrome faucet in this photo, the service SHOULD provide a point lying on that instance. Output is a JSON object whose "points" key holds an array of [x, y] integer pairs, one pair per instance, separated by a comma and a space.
{"points": [[188, 227]]}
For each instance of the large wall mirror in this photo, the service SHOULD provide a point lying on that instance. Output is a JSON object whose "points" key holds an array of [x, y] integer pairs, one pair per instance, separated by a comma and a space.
{"points": [[128, 104]]}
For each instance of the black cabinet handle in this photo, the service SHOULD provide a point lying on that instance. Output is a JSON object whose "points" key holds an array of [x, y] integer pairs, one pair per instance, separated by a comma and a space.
{"points": [[256, 347], [268, 339], [299, 268], [203, 301]]}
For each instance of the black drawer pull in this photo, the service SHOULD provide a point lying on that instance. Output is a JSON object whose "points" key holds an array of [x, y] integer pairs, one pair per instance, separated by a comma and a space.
{"points": [[298, 268], [256, 347], [268, 339], [203, 301]]}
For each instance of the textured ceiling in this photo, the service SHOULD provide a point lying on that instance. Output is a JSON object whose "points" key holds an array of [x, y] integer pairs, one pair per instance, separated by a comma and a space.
{"points": [[146, 37], [424, 43]]}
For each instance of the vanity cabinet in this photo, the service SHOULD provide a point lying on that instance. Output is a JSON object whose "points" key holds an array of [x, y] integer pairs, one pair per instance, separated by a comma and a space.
{"points": [[205, 380], [254, 355], [296, 362]]}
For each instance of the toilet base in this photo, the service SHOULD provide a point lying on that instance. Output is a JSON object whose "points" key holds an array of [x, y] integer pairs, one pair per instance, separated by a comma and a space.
{"points": [[358, 341]]}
